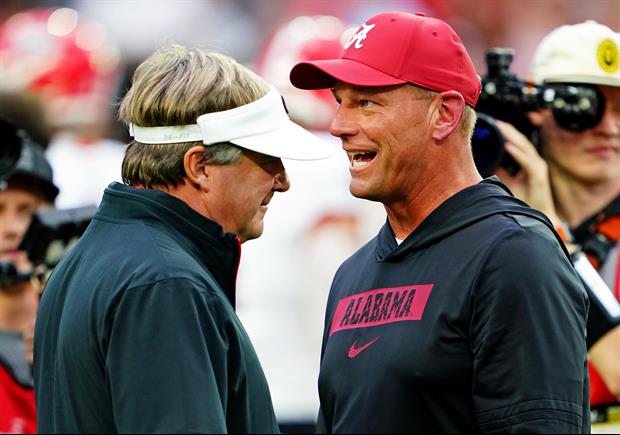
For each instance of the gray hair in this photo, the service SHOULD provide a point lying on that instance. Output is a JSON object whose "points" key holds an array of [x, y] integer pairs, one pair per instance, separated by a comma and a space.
{"points": [[174, 86]]}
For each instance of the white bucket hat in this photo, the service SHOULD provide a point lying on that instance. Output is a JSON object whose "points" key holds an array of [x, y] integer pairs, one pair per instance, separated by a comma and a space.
{"points": [[579, 53], [262, 126]]}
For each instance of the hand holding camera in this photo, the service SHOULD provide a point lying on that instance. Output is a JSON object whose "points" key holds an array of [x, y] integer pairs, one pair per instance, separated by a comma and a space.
{"points": [[531, 183]]}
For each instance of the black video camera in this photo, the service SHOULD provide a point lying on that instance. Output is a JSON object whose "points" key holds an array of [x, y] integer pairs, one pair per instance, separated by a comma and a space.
{"points": [[575, 107], [53, 231], [50, 234], [10, 151]]}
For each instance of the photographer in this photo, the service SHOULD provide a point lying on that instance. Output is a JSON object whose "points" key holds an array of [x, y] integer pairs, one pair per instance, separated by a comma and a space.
{"points": [[574, 177], [25, 190]]}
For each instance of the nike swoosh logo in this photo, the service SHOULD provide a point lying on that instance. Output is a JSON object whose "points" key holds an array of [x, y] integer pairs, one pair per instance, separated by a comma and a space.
{"points": [[355, 351]]}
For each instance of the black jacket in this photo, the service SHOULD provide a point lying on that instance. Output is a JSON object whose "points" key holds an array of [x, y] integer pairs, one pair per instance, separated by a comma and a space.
{"points": [[137, 332], [475, 323]]}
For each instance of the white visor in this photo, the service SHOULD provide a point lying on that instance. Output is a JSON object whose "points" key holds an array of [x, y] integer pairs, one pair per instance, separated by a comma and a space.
{"points": [[262, 126]]}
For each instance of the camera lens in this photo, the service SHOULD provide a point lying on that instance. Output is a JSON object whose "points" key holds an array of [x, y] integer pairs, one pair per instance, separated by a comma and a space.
{"points": [[487, 145], [577, 107]]}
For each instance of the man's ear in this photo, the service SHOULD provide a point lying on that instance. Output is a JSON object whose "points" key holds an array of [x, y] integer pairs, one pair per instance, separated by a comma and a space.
{"points": [[448, 115], [195, 167]]}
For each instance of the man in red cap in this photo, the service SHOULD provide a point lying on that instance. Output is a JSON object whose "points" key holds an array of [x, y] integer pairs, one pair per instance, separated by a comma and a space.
{"points": [[464, 313]]}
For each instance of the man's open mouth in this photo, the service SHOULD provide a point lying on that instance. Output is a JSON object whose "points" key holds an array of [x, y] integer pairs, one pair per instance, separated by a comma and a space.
{"points": [[361, 159]]}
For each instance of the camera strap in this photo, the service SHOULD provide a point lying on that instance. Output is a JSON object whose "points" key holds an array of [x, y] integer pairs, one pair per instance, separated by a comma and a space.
{"points": [[598, 235]]}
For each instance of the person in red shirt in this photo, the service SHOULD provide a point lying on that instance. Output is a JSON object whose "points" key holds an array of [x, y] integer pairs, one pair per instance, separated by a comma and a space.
{"points": [[27, 189]]}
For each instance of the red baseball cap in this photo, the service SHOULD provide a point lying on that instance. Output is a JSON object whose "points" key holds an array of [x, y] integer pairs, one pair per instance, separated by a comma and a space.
{"points": [[392, 48]]}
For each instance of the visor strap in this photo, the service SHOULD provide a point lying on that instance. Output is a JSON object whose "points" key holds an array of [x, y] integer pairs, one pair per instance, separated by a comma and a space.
{"points": [[259, 117], [166, 135]]}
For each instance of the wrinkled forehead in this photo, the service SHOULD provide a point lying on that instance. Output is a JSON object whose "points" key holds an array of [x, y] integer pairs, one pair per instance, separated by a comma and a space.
{"points": [[366, 89], [341, 88], [259, 158]]}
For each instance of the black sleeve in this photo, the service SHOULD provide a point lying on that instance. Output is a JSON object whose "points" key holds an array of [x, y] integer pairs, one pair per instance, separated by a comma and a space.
{"points": [[320, 424], [528, 319], [165, 361]]}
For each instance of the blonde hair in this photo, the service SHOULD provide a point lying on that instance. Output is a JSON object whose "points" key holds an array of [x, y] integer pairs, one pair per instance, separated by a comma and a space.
{"points": [[174, 86], [466, 127]]}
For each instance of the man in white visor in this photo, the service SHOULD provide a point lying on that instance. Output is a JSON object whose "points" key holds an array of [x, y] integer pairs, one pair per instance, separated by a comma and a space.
{"points": [[137, 330]]}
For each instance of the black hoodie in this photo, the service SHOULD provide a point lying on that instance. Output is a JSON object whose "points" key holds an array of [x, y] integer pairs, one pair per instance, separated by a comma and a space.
{"points": [[475, 323]]}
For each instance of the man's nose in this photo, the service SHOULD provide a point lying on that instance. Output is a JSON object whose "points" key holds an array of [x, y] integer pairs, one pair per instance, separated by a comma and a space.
{"points": [[342, 124], [281, 180]]}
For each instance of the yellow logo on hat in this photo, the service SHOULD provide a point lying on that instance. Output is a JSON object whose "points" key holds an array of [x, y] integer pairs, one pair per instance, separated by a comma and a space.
{"points": [[607, 55]]}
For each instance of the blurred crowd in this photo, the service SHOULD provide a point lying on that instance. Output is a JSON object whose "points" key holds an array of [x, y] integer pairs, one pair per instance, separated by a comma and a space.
{"points": [[64, 65]]}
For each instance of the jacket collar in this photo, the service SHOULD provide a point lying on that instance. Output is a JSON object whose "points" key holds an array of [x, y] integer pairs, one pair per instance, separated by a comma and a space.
{"points": [[470, 205], [201, 237]]}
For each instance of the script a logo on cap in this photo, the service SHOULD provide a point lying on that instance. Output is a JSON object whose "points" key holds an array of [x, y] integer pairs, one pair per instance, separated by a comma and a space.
{"points": [[359, 37]]}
